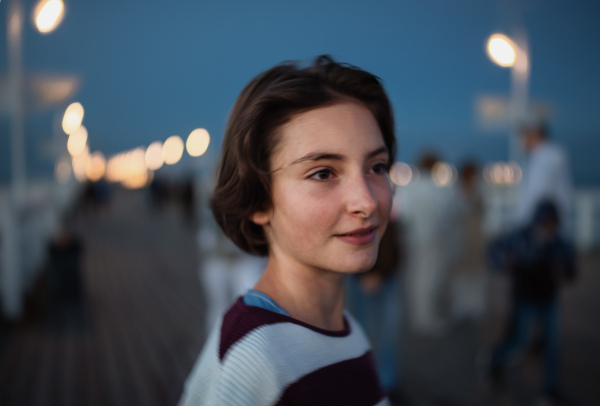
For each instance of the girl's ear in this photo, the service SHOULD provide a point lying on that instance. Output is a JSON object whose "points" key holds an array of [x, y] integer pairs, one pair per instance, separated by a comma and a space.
{"points": [[260, 217]]}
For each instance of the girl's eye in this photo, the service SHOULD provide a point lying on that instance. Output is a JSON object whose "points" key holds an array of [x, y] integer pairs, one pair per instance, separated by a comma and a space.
{"points": [[323, 174], [380, 168]]}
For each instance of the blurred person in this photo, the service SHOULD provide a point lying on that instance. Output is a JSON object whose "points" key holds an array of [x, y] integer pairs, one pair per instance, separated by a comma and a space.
{"points": [[188, 200], [430, 213], [95, 198], [539, 261], [303, 180], [546, 175], [103, 192], [374, 299], [158, 193], [88, 198], [64, 275], [468, 300]]}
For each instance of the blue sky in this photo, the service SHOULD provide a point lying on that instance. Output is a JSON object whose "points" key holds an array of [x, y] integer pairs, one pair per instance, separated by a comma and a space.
{"points": [[151, 69]]}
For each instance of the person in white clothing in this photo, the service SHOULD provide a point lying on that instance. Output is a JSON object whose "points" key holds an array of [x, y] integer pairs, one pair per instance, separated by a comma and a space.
{"points": [[430, 212], [546, 175]]}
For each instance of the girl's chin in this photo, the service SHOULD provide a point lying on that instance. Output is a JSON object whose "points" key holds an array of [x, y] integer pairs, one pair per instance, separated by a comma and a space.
{"points": [[358, 268]]}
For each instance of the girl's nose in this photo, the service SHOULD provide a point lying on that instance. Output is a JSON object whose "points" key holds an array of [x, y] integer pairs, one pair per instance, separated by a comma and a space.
{"points": [[361, 199]]}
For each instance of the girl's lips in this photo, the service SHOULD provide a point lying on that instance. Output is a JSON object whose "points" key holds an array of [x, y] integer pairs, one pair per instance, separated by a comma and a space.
{"points": [[360, 236]]}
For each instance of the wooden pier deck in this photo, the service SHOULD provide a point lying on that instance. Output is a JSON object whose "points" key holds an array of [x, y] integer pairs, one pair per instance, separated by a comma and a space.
{"points": [[137, 330]]}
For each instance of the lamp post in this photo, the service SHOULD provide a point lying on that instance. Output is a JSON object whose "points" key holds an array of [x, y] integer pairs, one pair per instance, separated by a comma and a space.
{"points": [[512, 53], [47, 15]]}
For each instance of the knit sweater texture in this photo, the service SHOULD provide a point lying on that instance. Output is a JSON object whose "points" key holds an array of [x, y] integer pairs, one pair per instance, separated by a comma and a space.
{"points": [[258, 357]]}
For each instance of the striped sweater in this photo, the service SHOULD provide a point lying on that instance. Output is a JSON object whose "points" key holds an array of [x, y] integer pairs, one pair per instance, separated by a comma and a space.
{"points": [[259, 357]]}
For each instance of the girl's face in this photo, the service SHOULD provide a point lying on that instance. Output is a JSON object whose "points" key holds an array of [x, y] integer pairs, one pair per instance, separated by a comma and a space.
{"points": [[331, 192]]}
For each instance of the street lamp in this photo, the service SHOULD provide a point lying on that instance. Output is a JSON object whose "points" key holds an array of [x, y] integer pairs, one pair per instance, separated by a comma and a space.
{"points": [[72, 118], [48, 14], [512, 53], [501, 50]]}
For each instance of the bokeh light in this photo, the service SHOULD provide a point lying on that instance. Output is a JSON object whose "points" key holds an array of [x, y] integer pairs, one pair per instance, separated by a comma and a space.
{"points": [[136, 161], [443, 174], [113, 168], [501, 173], [139, 180], [48, 14], [401, 173], [95, 166], [501, 50], [197, 142], [77, 141], [72, 118], [172, 150], [154, 158], [130, 169], [80, 165]]}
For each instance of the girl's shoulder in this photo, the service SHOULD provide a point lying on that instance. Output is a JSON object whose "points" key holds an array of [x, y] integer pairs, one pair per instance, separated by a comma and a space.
{"points": [[262, 355], [261, 328]]}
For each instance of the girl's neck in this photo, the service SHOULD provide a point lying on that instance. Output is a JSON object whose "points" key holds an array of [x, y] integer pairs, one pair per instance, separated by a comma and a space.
{"points": [[313, 296]]}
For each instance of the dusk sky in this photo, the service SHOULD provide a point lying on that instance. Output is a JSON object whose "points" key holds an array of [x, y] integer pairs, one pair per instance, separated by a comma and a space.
{"points": [[150, 69]]}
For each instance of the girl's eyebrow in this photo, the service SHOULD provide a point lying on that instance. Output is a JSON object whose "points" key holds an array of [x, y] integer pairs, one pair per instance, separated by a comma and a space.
{"points": [[320, 156]]}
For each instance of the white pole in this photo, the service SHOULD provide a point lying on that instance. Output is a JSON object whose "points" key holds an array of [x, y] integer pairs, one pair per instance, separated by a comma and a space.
{"points": [[11, 274], [519, 94]]}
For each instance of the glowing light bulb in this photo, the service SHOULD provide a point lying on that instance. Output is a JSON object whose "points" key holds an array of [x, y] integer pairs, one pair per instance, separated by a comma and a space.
{"points": [[72, 118], [172, 149], [154, 157], [501, 50], [95, 166], [197, 142], [77, 141], [80, 165], [48, 14]]}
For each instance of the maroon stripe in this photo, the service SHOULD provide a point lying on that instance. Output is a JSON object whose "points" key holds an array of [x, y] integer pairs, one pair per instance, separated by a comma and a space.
{"points": [[350, 382], [241, 320]]}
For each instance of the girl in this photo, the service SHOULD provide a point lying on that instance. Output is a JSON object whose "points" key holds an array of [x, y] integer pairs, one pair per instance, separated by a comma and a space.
{"points": [[303, 180]]}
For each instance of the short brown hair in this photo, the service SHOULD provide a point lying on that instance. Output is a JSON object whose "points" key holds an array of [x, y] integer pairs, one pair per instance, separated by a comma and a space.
{"points": [[267, 103]]}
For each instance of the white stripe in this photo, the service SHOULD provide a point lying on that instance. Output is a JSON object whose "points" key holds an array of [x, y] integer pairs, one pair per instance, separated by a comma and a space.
{"points": [[274, 356], [257, 369], [204, 375]]}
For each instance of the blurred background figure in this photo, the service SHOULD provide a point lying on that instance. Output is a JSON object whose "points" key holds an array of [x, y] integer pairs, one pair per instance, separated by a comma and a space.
{"points": [[95, 198], [539, 261], [538, 256], [546, 175], [158, 189], [188, 200], [467, 281], [430, 213], [374, 298], [64, 276]]}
